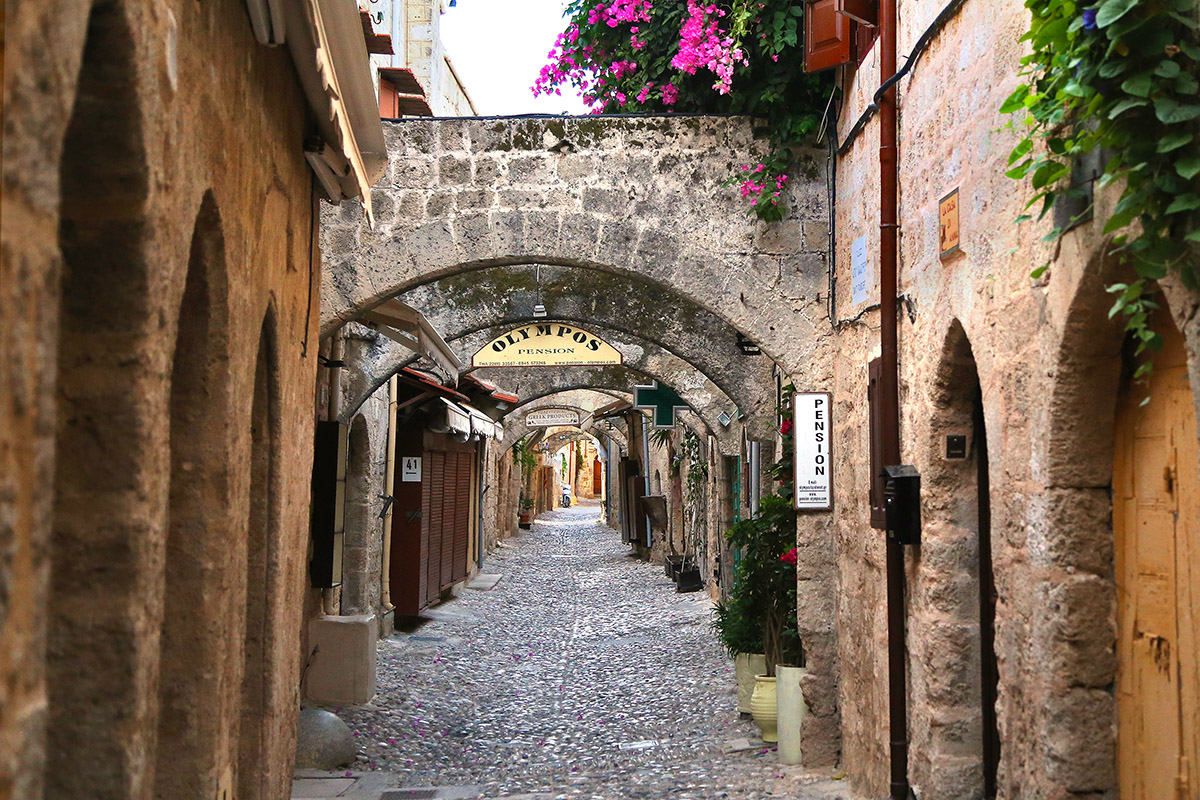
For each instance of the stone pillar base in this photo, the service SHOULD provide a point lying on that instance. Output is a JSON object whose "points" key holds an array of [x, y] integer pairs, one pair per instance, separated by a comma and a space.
{"points": [[343, 670]]}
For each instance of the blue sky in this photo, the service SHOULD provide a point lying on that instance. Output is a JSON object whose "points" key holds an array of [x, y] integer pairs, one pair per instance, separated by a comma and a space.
{"points": [[498, 47]]}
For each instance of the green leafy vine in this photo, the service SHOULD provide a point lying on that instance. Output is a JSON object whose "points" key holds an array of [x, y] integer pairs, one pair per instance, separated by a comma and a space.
{"points": [[1119, 79]]}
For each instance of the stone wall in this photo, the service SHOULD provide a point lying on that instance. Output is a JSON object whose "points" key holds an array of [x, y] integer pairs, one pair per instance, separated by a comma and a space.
{"points": [[637, 197], [153, 171], [1045, 360]]}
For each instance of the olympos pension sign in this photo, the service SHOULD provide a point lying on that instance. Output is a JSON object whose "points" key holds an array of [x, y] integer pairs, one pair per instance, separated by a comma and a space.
{"points": [[546, 345]]}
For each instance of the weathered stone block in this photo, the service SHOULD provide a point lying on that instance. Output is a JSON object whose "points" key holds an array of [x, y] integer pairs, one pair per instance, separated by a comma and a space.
{"points": [[1072, 529], [1079, 740], [452, 136], [474, 198], [343, 671], [454, 170], [781, 238], [484, 134], [413, 174], [519, 198], [440, 204], [530, 169], [487, 170], [573, 166], [605, 201]]}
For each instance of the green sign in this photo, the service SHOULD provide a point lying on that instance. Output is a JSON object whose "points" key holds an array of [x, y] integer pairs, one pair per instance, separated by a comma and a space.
{"points": [[662, 400]]}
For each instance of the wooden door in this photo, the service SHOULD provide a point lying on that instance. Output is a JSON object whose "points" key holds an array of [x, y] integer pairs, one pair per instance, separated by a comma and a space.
{"points": [[1156, 521]]}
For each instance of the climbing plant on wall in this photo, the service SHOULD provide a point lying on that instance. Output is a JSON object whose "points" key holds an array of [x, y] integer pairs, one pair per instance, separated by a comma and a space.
{"points": [[1118, 78], [733, 57]]}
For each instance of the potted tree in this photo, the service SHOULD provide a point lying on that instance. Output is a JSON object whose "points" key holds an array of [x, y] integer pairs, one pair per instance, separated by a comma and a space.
{"points": [[526, 459], [525, 512], [740, 633], [765, 582]]}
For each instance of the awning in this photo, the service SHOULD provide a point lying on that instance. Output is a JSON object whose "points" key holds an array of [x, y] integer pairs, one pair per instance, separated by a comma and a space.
{"points": [[325, 38], [481, 424], [451, 418], [404, 324]]}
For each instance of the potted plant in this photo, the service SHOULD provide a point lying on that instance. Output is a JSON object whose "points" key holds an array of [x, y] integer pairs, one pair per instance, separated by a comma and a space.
{"points": [[740, 633], [525, 519], [765, 582]]}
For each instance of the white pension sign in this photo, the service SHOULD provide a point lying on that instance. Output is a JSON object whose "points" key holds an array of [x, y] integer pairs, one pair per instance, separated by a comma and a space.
{"points": [[812, 430]]}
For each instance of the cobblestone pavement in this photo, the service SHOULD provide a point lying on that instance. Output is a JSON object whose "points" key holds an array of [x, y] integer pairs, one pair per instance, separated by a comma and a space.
{"points": [[581, 674]]}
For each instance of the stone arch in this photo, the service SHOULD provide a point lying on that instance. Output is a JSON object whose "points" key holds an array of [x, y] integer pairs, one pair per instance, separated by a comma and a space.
{"points": [[263, 707], [503, 297], [705, 400], [193, 753], [1070, 539], [637, 197], [99, 718], [951, 598], [381, 357], [360, 591], [585, 401]]}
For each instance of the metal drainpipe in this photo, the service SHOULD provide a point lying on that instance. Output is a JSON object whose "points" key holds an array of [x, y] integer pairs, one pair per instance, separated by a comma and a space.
{"points": [[337, 351], [890, 395], [389, 484]]}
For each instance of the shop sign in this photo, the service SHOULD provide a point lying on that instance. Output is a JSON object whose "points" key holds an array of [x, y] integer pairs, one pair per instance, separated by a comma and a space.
{"points": [[948, 222], [546, 345], [812, 429], [551, 417], [662, 400]]}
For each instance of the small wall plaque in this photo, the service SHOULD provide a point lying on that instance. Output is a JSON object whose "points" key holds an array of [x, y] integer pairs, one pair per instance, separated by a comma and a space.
{"points": [[948, 221], [410, 469], [956, 447]]}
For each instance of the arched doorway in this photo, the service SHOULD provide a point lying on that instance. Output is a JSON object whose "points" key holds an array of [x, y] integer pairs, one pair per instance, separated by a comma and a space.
{"points": [[260, 708], [956, 573], [194, 757], [1156, 524], [100, 647]]}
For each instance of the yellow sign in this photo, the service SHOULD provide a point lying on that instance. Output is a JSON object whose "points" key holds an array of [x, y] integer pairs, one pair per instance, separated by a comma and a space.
{"points": [[550, 344], [948, 217]]}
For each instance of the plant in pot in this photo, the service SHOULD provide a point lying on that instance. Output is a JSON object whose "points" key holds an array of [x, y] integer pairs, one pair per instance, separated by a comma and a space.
{"points": [[525, 512], [740, 633], [765, 582], [526, 459]]}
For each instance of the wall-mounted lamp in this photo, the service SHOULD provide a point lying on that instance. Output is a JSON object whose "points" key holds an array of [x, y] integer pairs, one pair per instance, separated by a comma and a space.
{"points": [[539, 310], [747, 347]]}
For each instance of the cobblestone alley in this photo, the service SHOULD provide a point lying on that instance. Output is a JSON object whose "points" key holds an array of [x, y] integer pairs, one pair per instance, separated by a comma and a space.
{"points": [[581, 674]]}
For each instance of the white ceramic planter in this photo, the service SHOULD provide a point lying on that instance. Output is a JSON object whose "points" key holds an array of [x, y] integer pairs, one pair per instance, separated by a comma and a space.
{"points": [[745, 667], [763, 707], [791, 710]]}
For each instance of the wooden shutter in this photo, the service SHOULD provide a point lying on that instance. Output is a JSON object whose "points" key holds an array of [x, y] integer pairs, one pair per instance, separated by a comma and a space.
{"points": [[427, 515], [864, 12], [388, 99], [330, 444], [875, 409], [437, 473], [449, 502], [462, 515], [828, 36]]}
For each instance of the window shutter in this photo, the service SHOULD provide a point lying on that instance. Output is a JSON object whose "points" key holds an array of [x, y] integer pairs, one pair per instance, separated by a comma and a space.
{"points": [[864, 12], [828, 36], [875, 408]]}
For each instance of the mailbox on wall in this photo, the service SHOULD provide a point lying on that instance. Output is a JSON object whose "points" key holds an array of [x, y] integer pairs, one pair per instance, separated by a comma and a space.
{"points": [[328, 503], [902, 503]]}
